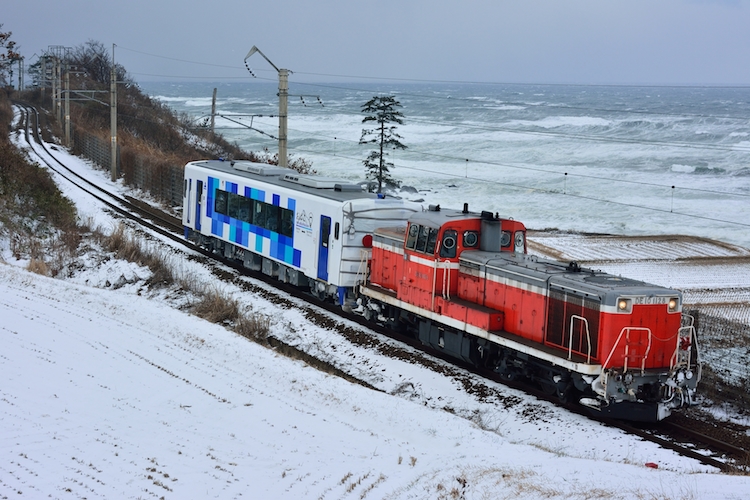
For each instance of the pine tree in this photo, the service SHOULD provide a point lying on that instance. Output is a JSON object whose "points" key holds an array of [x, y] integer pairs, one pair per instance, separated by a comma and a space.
{"points": [[382, 111]]}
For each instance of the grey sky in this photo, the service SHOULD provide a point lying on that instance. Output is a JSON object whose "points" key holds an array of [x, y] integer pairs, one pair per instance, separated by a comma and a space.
{"points": [[527, 41]]}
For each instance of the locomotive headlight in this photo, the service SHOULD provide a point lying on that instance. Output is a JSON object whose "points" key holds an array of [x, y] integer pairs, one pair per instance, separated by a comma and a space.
{"points": [[624, 305], [672, 304]]}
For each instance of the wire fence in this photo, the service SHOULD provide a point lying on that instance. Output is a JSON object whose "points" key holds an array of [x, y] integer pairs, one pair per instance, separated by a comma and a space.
{"points": [[161, 180]]}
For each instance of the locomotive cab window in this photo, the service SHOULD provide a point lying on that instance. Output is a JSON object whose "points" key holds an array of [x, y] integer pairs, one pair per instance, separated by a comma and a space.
{"points": [[448, 244], [411, 240], [471, 238], [505, 239], [520, 242], [422, 239], [431, 241]]}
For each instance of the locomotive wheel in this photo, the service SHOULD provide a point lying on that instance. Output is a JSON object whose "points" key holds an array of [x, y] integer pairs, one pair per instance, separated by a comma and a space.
{"points": [[564, 391]]}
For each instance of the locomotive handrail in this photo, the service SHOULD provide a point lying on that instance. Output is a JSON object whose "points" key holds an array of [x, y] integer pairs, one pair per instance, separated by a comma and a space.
{"points": [[363, 267], [434, 282], [588, 337], [446, 280], [617, 342], [688, 352]]}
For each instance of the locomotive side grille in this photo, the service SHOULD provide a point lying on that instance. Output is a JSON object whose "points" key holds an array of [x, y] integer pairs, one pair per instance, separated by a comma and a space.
{"points": [[570, 315]]}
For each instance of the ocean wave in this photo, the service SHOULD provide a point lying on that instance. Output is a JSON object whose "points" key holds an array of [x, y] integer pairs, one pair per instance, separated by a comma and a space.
{"points": [[567, 121], [688, 169]]}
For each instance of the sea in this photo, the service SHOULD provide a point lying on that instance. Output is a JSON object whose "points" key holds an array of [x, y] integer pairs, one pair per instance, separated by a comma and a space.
{"points": [[624, 160]]}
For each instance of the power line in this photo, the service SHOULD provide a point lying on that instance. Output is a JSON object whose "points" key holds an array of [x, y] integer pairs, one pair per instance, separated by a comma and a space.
{"points": [[549, 191], [534, 169]]}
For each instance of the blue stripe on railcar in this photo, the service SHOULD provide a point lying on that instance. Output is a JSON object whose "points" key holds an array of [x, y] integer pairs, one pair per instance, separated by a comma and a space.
{"points": [[281, 248]]}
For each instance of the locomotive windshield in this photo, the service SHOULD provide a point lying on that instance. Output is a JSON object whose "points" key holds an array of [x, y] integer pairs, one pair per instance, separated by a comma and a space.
{"points": [[422, 239]]}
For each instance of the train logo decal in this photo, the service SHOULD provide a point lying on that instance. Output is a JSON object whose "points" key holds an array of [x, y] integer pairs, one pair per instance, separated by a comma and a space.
{"points": [[304, 221]]}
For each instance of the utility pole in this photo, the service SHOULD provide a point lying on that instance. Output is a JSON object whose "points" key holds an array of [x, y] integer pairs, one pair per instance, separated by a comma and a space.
{"points": [[67, 104], [283, 97], [20, 74], [213, 111], [43, 81], [54, 86], [113, 118]]}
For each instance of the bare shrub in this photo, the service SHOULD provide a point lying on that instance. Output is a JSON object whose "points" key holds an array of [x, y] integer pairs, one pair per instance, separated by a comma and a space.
{"points": [[38, 266], [215, 307], [253, 326], [127, 247]]}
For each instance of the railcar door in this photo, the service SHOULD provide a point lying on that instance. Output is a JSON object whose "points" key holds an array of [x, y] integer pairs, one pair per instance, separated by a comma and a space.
{"points": [[325, 234], [198, 196]]}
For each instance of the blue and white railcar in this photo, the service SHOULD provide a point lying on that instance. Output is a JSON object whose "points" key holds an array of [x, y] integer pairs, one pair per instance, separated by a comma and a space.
{"points": [[306, 230]]}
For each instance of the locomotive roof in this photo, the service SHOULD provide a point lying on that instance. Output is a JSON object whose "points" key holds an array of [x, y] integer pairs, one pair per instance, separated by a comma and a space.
{"points": [[324, 187], [561, 274], [436, 217]]}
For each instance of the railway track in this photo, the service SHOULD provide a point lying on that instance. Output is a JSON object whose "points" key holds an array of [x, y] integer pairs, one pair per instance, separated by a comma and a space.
{"points": [[683, 439]]}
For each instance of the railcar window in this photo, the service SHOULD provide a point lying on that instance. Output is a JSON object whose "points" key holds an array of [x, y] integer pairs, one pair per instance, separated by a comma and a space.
{"points": [[411, 240], [220, 202], [245, 209], [233, 206], [287, 222], [325, 231], [258, 213], [470, 239], [448, 247], [259, 216], [431, 241], [336, 230], [272, 218]]}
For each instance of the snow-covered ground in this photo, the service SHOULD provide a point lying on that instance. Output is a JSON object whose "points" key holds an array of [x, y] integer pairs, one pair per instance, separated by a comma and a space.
{"points": [[107, 394], [114, 392]]}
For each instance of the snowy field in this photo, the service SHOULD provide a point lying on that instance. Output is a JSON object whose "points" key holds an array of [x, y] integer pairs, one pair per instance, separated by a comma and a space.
{"points": [[114, 392]]}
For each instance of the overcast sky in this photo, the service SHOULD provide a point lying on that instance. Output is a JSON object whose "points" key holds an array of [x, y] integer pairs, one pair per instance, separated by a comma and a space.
{"points": [[525, 41]]}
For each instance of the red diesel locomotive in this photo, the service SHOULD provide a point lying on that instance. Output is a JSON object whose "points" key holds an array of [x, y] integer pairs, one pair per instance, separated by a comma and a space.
{"points": [[464, 284]]}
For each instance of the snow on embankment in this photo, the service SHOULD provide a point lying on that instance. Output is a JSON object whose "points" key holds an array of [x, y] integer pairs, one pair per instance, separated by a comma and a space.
{"points": [[107, 394]]}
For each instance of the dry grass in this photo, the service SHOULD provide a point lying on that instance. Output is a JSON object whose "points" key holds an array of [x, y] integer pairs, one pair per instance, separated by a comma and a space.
{"points": [[254, 326], [38, 266], [128, 247], [210, 303], [215, 307]]}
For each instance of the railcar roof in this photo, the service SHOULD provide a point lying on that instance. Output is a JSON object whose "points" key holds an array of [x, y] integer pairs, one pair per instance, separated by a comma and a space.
{"points": [[274, 175]]}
